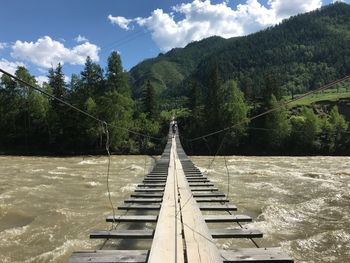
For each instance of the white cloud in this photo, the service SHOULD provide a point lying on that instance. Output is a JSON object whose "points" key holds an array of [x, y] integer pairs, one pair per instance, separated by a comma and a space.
{"points": [[9, 66], [120, 21], [46, 52], [80, 38], [335, 1], [203, 19], [3, 45], [42, 79], [285, 9]]}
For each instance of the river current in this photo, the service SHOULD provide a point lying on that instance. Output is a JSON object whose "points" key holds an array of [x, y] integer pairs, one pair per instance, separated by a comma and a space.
{"points": [[48, 206]]}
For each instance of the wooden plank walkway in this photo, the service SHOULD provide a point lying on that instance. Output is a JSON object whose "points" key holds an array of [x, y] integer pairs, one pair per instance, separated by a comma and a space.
{"points": [[172, 198]]}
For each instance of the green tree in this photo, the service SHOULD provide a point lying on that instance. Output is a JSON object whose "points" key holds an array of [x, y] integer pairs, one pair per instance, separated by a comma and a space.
{"points": [[334, 128], [277, 125], [56, 82], [117, 110], [91, 78], [149, 100], [305, 131], [233, 110], [212, 112], [59, 115], [116, 77]]}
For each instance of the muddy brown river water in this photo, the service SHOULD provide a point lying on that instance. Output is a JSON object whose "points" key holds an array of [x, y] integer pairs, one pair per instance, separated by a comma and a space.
{"points": [[48, 206]]}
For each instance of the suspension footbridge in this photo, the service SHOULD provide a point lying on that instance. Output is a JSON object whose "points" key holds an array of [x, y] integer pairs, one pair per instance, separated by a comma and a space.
{"points": [[180, 202]]}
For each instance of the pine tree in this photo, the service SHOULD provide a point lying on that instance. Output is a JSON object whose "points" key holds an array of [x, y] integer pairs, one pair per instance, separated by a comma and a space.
{"points": [[212, 100], [92, 78], [116, 78], [149, 100], [56, 82]]}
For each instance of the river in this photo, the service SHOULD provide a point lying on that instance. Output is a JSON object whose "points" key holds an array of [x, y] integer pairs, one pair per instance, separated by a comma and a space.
{"points": [[48, 206]]}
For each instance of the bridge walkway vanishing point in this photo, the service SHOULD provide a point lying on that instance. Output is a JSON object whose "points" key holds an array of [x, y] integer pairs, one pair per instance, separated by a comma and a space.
{"points": [[178, 192]]}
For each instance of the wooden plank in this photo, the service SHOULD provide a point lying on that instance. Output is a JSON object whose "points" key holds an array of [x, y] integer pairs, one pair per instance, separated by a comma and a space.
{"points": [[132, 218], [204, 189], [208, 195], [198, 180], [226, 218], [151, 185], [123, 234], [143, 200], [167, 243], [139, 207], [236, 233], [154, 195], [153, 181], [200, 246], [162, 180], [218, 207], [200, 184], [256, 255], [211, 200], [109, 256], [149, 190]]}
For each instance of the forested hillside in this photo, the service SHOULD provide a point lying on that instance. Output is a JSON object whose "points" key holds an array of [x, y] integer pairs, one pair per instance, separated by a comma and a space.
{"points": [[211, 85], [32, 123], [301, 53]]}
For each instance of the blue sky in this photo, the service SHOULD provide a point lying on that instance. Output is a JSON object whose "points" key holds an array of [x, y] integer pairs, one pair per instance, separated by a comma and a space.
{"points": [[41, 33]]}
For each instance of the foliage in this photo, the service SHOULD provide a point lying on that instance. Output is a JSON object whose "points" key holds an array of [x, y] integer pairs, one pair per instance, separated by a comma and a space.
{"points": [[302, 53], [278, 127], [211, 85]]}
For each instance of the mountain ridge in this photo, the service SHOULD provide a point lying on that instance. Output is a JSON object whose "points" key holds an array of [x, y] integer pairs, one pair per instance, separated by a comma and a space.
{"points": [[307, 45]]}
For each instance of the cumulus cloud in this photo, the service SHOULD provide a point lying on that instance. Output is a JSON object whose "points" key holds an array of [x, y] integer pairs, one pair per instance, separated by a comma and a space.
{"points": [[335, 1], [285, 9], [46, 52], [3, 45], [9, 66], [80, 38], [203, 19], [120, 21]]}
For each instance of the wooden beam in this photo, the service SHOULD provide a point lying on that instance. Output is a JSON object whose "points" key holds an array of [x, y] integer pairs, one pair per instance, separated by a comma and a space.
{"points": [[136, 218], [208, 195], [151, 185], [154, 195], [204, 189], [218, 207], [200, 184], [167, 243], [211, 199], [123, 234], [236, 233], [226, 218], [256, 255], [143, 200], [109, 256], [149, 190], [200, 246], [139, 207]]}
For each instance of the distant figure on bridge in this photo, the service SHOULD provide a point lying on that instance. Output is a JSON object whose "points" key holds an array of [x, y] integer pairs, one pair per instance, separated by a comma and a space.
{"points": [[173, 124]]}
